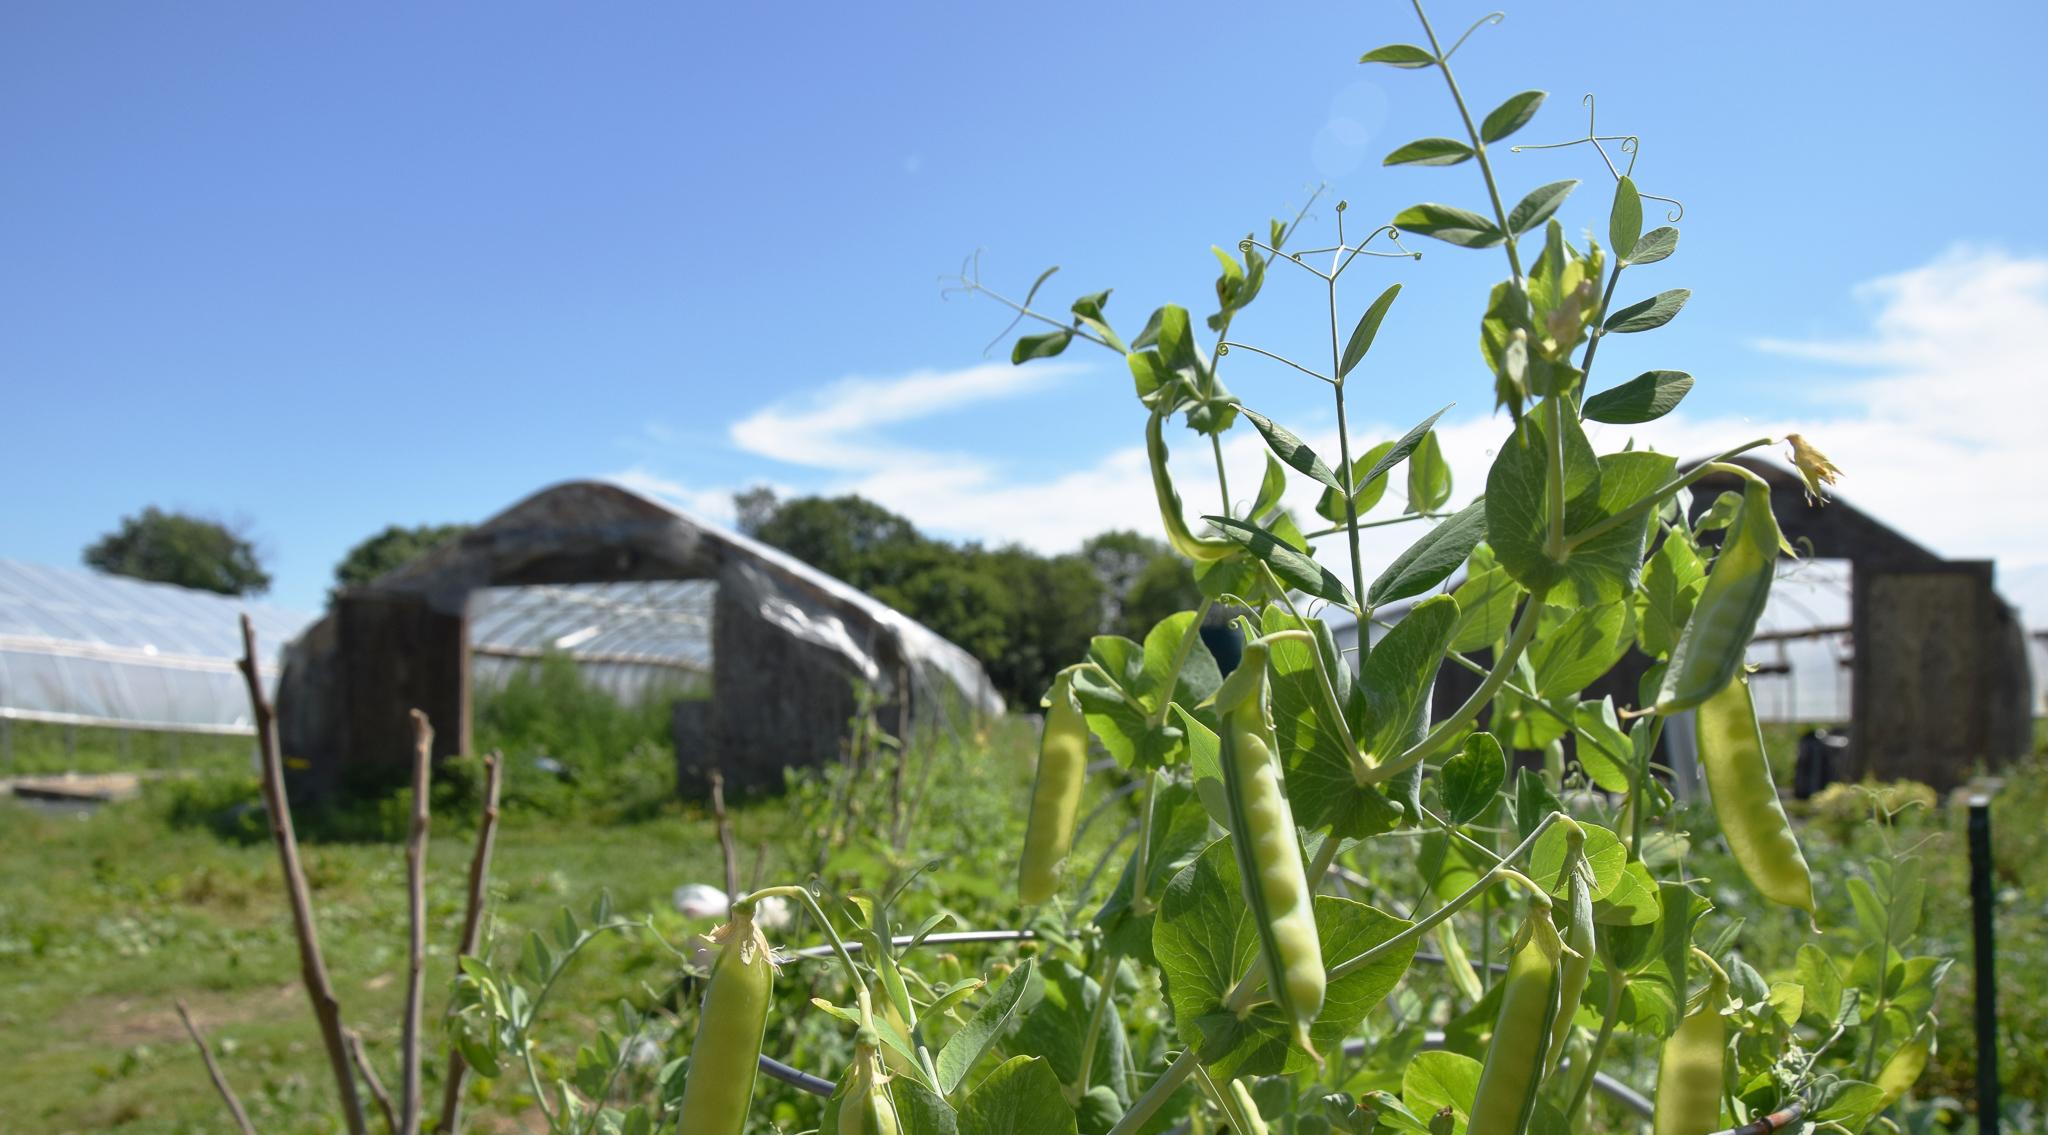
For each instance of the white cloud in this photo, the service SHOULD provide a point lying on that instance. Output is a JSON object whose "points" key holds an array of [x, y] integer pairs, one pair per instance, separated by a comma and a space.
{"points": [[833, 428], [711, 504]]}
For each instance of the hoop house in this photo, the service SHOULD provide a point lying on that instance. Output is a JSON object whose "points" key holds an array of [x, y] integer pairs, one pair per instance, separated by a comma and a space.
{"points": [[81, 648]]}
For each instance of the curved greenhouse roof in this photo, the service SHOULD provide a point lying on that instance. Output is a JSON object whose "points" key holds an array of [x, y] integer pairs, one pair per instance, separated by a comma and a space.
{"points": [[81, 648]]}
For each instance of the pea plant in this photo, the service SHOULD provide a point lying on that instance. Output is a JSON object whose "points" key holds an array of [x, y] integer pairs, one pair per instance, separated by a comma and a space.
{"points": [[1258, 789]]}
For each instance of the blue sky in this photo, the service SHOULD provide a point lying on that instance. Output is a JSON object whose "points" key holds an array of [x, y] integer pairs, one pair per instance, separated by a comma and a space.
{"points": [[316, 269]]}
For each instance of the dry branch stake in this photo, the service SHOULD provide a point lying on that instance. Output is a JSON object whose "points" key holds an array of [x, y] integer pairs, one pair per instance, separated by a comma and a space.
{"points": [[312, 966], [472, 924], [220, 1081], [416, 945]]}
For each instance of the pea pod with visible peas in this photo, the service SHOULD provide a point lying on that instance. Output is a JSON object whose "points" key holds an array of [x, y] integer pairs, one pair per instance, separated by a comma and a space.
{"points": [[1515, 1058], [718, 1088], [1710, 649], [1268, 851], [1689, 1071], [1055, 794], [1738, 774]]}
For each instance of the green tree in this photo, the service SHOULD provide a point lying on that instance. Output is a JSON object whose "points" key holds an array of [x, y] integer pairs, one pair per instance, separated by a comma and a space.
{"points": [[171, 547], [1165, 585], [1056, 607], [388, 551]]}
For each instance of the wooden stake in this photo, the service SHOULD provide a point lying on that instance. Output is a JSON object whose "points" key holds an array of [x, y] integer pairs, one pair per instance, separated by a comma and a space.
{"points": [[416, 945], [220, 1081], [472, 927], [312, 966]]}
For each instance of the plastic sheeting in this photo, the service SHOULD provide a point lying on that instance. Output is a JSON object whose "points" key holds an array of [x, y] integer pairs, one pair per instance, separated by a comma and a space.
{"points": [[83, 648], [632, 640]]}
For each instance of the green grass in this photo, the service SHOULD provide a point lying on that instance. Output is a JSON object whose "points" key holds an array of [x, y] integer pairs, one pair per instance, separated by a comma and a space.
{"points": [[107, 917], [34, 748]]}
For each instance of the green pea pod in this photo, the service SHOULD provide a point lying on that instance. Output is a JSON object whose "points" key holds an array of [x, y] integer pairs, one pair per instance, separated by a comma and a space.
{"points": [[1185, 542], [1268, 851], [1689, 1072], [1711, 647], [1576, 967], [1055, 795], [1521, 1034], [718, 1088], [865, 1107], [1731, 750]]}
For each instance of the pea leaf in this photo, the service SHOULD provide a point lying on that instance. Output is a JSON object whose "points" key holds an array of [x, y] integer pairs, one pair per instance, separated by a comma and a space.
{"points": [[1644, 398], [1434, 1081], [1471, 779], [1578, 650], [965, 1047], [1431, 560], [1320, 784], [1054, 1029], [1180, 829], [1368, 329], [1625, 219], [1429, 152], [1603, 749], [1656, 245], [1604, 855], [1486, 600], [1271, 486], [1400, 672], [1021, 1097], [1671, 582], [1449, 223], [1040, 346], [1517, 500], [1649, 314], [1608, 566], [1291, 449], [1330, 506], [1538, 207], [1399, 55], [1429, 476], [1294, 568], [1511, 115], [1205, 941]]}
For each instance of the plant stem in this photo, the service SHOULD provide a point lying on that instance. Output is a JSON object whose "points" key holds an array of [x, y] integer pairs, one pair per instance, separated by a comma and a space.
{"points": [[1609, 1017], [817, 914], [1478, 145], [1637, 796], [1597, 334], [1404, 518], [1141, 863], [1525, 630], [1103, 982], [1554, 545], [1349, 475], [1222, 478], [1657, 495], [1359, 769]]}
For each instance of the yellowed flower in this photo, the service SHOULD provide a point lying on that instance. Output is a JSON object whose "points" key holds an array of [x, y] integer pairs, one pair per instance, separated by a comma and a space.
{"points": [[1814, 468]]}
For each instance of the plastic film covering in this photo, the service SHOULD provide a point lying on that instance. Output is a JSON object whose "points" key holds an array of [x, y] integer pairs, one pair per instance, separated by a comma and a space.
{"points": [[635, 641], [83, 648]]}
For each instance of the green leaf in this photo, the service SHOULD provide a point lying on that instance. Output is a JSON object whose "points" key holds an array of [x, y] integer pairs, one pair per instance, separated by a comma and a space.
{"points": [[1603, 749], [1406, 445], [1604, 854], [1655, 245], [1040, 346], [1644, 398], [1429, 476], [1090, 306], [1471, 779], [1294, 568], [1517, 500], [1429, 152], [1271, 487], [1205, 941], [1056, 1026], [1320, 785], [1399, 673], [1649, 314], [919, 1111], [1511, 115], [1021, 1097], [1431, 560], [1671, 583], [1538, 207], [1608, 566], [1632, 902], [1486, 600], [1434, 1081], [1291, 449], [1625, 219], [1368, 328], [1399, 55], [1449, 223], [1180, 829], [965, 1048], [1194, 676], [1579, 650], [1330, 506]]}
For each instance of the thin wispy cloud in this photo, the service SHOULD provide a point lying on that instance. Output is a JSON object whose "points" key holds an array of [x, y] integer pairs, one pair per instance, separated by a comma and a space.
{"points": [[838, 427]]}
